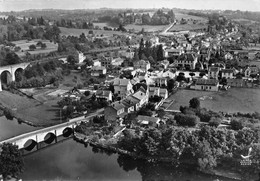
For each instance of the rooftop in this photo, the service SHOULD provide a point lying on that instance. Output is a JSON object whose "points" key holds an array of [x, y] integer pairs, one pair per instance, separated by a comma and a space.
{"points": [[117, 105], [213, 69], [228, 71], [121, 82], [207, 82]]}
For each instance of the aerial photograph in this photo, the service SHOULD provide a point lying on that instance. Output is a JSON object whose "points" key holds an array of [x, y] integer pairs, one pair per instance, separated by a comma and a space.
{"points": [[130, 90]]}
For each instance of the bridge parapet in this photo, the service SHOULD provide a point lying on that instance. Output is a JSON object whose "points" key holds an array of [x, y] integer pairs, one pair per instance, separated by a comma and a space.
{"points": [[39, 135]]}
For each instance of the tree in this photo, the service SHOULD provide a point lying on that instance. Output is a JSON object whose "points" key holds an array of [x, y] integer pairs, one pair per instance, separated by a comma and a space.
{"points": [[89, 62], [214, 122], [71, 60], [141, 49], [170, 84], [32, 47], [11, 160], [236, 124], [11, 58], [39, 43], [195, 103], [43, 46], [160, 56], [186, 120]]}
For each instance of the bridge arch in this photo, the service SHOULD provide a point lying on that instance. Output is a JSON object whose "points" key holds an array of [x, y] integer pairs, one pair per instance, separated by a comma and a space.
{"points": [[18, 73], [67, 132], [30, 144], [6, 77], [49, 138]]}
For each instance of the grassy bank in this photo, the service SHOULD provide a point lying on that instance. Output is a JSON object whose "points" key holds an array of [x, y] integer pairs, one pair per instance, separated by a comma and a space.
{"points": [[31, 111], [234, 100]]}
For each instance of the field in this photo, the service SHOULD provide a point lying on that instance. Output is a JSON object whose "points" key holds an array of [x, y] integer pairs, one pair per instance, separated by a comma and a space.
{"points": [[32, 110], [147, 28], [257, 63], [188, 27], [179, 16], [200, 24], [24, 45], [77, 32], [233, 100]]}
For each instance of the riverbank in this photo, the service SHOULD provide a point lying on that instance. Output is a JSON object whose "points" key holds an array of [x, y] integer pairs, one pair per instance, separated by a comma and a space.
{"points": [[30, 111], [113, 149]]}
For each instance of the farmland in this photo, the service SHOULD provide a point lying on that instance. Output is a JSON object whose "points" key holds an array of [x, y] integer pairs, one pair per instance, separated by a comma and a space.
{"points": [[233, 100], [193, 23], [147, 28], [77, 32], [24, 45], [179, 16]]}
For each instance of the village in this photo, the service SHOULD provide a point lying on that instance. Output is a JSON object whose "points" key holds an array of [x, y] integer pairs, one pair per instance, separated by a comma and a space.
{"points": [[190, 75]]}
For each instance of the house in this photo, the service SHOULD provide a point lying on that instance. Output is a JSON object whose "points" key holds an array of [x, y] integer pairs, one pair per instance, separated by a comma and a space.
{"points": [[187, 60], [98, 70], [206, 85], [104, 94], [127, 54], [154, 40], [236, 82], [157, 91], [148, 121], [165, 64], [227, 73], [241, 54], [257, 55], [228, 56], [167, 74], [160, 82], [221, 65], [142, 95], [105, 61], [130, 105], [81, 57], [213, 72], [142, 64], [96, 63], [173, 52], [117, 61], [114, 111], [252, 70], [122, 87]]}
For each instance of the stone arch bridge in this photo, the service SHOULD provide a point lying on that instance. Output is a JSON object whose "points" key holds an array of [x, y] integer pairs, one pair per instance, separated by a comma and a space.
{"points": [[48, 135], [9, 72]]}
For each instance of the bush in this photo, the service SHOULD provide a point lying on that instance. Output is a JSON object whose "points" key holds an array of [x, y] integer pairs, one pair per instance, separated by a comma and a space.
{"points": [[236, 124], [186, 120], [195, 103], [87, 93], [214, 122]]}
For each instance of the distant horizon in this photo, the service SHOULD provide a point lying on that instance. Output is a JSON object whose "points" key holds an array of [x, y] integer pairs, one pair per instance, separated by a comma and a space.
{"points": [[222, 5], [91, 9]]}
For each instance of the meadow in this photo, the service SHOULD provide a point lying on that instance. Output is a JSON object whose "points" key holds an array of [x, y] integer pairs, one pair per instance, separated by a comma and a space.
{"points": [[233, 100], [24, 45], [77, 32]]}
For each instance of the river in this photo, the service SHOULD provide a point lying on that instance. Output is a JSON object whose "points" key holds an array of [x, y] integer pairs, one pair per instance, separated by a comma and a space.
{"points": [[11, 128], [70, 160]]}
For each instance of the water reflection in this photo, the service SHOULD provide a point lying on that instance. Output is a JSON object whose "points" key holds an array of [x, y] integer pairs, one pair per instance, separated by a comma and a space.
{"points": [[11, 128], [69, 160]]}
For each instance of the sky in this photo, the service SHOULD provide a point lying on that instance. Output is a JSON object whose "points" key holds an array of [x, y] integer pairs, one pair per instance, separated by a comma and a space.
{"points": [[19, 5]]}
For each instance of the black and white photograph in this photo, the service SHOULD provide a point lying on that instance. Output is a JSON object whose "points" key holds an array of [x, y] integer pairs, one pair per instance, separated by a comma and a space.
{"points": [[130, 90]]}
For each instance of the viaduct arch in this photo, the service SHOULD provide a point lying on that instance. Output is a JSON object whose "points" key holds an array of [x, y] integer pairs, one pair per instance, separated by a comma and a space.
{"points": [[8, 73]]}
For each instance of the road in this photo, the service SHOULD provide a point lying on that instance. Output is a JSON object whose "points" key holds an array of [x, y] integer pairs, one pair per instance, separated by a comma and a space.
{"points": [[164, 32]]}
